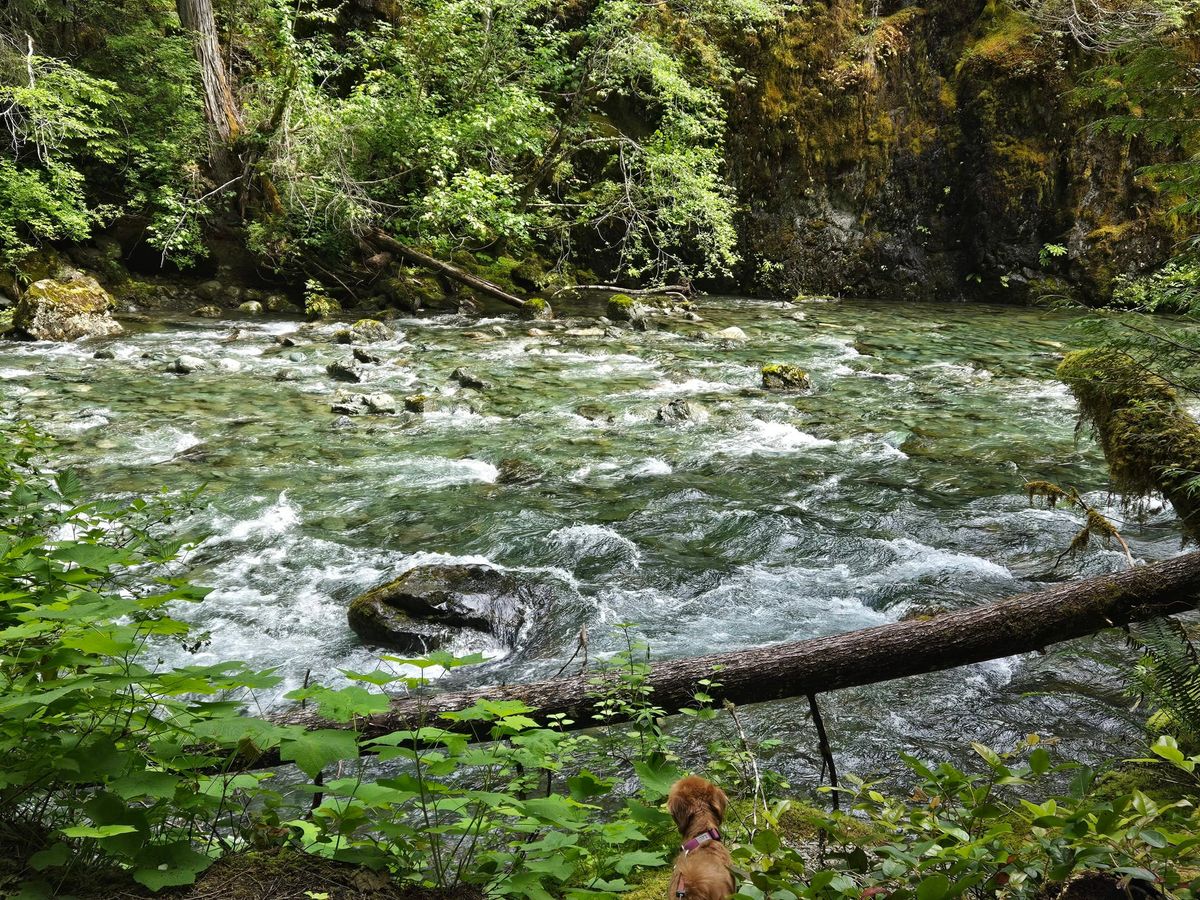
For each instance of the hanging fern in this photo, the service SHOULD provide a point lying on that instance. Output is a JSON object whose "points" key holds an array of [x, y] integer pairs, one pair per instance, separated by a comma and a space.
{"points": [[1168, 676]]}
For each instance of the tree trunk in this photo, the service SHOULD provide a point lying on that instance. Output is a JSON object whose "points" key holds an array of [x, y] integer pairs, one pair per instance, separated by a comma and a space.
{"points": [[220, 109], [1015, 625], [383, 239]]}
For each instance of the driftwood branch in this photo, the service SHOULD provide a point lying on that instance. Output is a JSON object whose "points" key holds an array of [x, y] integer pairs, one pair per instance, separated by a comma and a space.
{"points": [[1019, 624], [425, 261], [682, 291]]}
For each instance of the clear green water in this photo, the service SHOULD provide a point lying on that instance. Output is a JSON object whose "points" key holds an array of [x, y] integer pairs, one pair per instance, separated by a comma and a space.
{"points": [[894, 488]]}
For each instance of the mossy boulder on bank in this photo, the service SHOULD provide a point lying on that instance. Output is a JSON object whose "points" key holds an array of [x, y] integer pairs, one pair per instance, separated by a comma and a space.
{"points": [[427, 606], [784, 377], [65, 309], [1151, 442], [536, 309]]}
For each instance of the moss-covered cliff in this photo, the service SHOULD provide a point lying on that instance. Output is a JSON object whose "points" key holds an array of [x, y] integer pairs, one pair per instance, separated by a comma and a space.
{"points": [[894, 150]]}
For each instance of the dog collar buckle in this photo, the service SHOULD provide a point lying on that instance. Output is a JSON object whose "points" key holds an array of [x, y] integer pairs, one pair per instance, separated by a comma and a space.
{"points": [[701, 839]]}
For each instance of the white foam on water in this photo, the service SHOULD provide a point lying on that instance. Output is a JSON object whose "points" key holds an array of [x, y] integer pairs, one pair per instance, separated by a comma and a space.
{"points": [[768, 438], [10, 373], [610, 470], [158, 445], [689, 386], [591, 540], [917, 560], [277, 519], [86, 421], [431, 472]]}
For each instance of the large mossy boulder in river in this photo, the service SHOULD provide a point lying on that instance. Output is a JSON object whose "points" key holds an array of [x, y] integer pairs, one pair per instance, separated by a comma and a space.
{"points": [[784, 377], [65, 309], [427, 606]]}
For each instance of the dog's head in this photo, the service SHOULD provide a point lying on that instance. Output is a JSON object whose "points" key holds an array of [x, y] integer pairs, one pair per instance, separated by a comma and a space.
{"points": [[696, 805]]}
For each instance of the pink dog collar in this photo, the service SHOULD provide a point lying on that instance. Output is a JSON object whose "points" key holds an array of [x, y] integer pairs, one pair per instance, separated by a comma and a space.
{"points": [[701, 839]]}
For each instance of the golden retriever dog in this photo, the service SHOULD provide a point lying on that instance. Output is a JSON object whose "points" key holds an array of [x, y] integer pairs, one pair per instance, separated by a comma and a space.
{"points": [[702, 867]]}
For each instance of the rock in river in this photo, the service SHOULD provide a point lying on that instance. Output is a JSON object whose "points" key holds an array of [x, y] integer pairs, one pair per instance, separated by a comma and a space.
{"points": [[784, 377], [64, 309], [681, 412], [345, 370], [427, 606], [185, 365]]}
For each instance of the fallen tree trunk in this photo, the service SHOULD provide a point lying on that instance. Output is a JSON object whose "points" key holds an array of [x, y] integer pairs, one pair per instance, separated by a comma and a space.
{"points": [[1015, 625], [425, 261]]}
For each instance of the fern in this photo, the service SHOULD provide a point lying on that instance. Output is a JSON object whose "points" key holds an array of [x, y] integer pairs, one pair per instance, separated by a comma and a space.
{"points": [[1168, 676]]}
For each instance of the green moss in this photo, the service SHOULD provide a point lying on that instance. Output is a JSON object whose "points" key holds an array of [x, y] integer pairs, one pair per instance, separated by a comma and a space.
{"points": [[785, 377], [623, 301], [649, 884], [1150, 441], [1005, 41], [536, 308]]}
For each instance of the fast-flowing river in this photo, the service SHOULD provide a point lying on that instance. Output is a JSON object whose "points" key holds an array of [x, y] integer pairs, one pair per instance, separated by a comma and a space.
{"points": [[894, 488]]}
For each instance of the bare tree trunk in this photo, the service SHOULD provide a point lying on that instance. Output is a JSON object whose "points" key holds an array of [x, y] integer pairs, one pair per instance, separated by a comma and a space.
{"points": [[1015, 625], [425, 261], [220, 109]]}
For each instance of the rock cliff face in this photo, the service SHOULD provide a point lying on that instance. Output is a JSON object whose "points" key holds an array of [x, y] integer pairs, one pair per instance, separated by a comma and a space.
{"points": [[930, 152]]}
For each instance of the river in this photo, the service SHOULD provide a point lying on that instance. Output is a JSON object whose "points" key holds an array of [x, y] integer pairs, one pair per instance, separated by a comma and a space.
{"points": [[894, 488]]}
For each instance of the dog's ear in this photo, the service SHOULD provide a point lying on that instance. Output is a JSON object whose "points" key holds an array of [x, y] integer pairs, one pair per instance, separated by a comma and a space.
{"points": [[718, 801], [677, 806]]}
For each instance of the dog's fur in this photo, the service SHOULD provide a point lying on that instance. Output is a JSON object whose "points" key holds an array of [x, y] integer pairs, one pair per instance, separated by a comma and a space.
{"points": [[698, 805]]}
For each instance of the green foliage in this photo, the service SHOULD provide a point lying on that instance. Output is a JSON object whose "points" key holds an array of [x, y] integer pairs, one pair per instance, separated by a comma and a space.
{"points": [[458, 126], [1168, 675], [1175, 288], [979, 834]]}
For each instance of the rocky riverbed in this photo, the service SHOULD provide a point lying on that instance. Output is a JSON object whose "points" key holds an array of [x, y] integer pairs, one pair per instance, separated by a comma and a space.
{"points": [[649, 476]]}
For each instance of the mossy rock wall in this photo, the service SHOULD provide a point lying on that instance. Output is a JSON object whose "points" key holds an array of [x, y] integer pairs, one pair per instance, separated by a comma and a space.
{"points": [[929, 152]]}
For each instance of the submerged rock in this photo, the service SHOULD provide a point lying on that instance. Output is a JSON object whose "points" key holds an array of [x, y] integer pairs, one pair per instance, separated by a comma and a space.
{"points": [[66, 309], [427, 606], [681, 412], [517, 471], [784, 377]]}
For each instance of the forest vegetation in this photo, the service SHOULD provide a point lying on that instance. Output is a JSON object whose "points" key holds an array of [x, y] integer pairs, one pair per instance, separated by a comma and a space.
{"points": [[551, 225]]}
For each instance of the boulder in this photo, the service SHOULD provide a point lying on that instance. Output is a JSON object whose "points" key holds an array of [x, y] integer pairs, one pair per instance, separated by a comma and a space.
{"points": [[366, 356], [784, 377], [623, 308], [682, 411], [420, 403], [732, 333], [278, 303], [105, 353], [185, 364], [427, 606], [207, 312], [65, 309], [286, 340], [225, 364], [536, 309], [251, 308], [345, 370], [350, 404], [469, 379], [368, 331]]}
